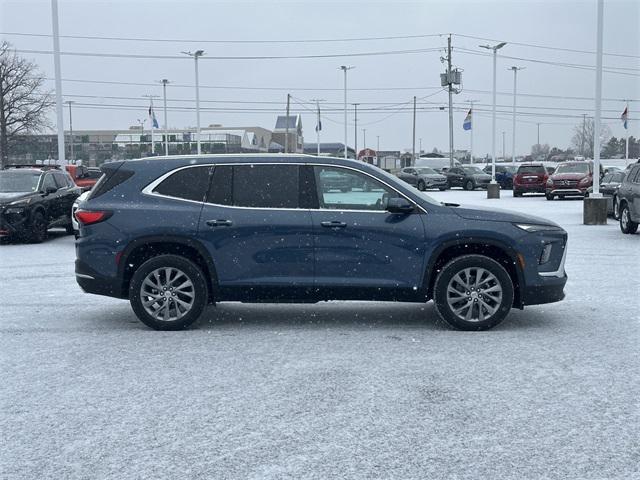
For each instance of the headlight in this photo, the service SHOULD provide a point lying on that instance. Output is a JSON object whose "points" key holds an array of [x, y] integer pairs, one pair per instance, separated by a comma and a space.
{"points": [[18, 209], [585, 181], [22, 202], [531, 227], [550, 182]]}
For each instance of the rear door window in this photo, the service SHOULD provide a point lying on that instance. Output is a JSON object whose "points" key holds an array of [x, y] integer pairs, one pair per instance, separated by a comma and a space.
{"points": [[189, 183], [531, 169]]}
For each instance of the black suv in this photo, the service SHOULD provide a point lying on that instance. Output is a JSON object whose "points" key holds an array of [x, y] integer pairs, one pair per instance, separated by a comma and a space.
{"points": [[629, 201], [34, 198]]}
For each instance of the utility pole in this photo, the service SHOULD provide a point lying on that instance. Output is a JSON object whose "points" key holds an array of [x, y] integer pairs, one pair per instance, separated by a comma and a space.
{"points": [[513, 140], [413, 143], [345, 68], [584, 133], [286, 132], [377, 143], [166, 135], [69, 102], [196, 55], [420, 149], [503, 150], [626, 148], [355, 128], [450, 89], [364, 138], [58, 78], [538, 133], [318, 124]]}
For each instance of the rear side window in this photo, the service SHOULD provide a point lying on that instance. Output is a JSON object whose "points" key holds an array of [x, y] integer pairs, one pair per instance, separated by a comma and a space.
{"points": [[257, 186], [109, 180], [634, 175], [524, 169], [188, 183]]}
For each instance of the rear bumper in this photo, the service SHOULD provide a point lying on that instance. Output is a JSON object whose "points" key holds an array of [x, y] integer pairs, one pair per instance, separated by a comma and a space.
{"points": [[531, 188], [92, 282]]}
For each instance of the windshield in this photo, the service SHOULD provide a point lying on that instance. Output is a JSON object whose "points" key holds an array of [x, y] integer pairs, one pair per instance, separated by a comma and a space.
{"points": [[472, 170], [531, 169], [18, 182], [573, 168], [426, 171]]}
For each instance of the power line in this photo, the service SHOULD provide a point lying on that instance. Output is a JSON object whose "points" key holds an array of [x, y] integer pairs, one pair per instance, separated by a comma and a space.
{"points": [[232, 57]]}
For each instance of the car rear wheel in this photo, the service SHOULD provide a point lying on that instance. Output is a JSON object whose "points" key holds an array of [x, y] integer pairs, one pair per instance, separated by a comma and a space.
{"points": [[421, 186], [442, 189], [626, 224], [516, 193], [469, 185], [549, 196], [38, 228], [473, 292], [168, 292]]}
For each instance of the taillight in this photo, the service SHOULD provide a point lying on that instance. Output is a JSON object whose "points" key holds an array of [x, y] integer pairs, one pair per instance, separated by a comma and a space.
{"points": [[86, 217]]}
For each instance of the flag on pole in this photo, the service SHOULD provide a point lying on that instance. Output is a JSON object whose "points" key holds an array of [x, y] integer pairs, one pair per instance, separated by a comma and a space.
{"points": [[624, 117], [319, 124], [152, 117], [467, 121]]}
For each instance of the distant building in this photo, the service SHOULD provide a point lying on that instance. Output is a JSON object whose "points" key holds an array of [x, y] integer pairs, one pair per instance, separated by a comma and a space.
{"points": [[296, 138], [329, 149]]}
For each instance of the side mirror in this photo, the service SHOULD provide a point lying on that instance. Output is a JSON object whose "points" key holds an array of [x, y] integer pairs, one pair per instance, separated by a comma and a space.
{"points": [[49, 190], [415, 173], [399, 205]]}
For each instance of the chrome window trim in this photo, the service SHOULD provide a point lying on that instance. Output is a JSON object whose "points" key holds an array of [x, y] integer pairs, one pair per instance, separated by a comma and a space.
{"points": [[148, 190]]}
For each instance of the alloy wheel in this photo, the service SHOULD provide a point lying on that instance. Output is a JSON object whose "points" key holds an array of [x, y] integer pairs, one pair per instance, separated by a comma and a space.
{"points": [[474, 294], [167, 294]]}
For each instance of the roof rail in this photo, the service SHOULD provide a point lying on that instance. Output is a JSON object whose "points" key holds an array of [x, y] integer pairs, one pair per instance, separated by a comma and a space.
{"points": [[32, 165]]}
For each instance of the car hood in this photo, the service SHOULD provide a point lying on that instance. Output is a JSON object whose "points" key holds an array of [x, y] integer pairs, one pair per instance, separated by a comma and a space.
{"points": [[569, 176], [470, 212], [433, 176], [8, 197]]}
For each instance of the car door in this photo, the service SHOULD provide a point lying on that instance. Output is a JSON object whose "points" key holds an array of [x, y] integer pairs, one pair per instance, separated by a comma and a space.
{"points": [[66, 195], [455, 176], [50, 200], [358, 244], [256, 229], [410, 176]]}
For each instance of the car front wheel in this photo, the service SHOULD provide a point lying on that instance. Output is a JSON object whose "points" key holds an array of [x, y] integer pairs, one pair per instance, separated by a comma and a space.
{"points": [[473, 292], [626, 224], [469, 185], [38, 228], [168, 292], [421, 186]]}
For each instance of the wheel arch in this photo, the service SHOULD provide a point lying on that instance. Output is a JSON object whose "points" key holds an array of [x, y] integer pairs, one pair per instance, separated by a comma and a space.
{"points": [[140, 250], [491, 248]]}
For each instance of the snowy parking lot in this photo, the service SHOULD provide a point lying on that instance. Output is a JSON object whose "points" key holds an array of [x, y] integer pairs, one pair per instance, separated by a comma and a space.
{"points": [[332, 390]]}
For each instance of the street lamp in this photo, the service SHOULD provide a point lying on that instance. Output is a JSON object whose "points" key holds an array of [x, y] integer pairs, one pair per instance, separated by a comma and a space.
{"points": [[492, 190], [344, 68], [513, 139], [69, 102], [164, 82], [196, 55]]}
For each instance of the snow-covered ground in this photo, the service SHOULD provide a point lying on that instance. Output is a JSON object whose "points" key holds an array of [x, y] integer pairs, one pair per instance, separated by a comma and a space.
{"points": [[334, 390]]}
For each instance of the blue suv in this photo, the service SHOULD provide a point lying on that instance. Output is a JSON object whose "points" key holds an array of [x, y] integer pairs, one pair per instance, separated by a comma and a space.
{"points": [[173, 234]]}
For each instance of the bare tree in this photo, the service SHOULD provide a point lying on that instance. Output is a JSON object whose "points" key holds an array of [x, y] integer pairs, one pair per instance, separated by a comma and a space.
{"points": [[582, 139], [23, 103]]}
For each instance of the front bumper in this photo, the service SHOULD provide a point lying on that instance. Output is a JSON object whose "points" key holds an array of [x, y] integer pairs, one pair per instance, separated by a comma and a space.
{"points": [[12, 225], [574, 191]]}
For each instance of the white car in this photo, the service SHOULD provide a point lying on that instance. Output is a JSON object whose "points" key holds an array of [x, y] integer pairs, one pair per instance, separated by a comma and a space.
{"points": [[79, 200]]}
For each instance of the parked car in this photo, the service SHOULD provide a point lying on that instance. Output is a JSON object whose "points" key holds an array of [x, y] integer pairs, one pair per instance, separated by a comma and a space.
{"points": [[76, 205], [530, 178], [467, 177], [609, 189], [423, 178], [504, 175], [82, 176], [569, 180], [172, 234], [629, 201], [34, 198], [437, 163]]}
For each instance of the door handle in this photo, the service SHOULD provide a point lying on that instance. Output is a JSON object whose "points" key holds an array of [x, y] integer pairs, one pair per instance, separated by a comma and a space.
{"points": [[219, 223], [334, 224]]}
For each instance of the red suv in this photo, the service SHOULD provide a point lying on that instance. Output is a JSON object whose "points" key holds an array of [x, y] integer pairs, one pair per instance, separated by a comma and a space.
{"points": [[82, 177], [570, 179], [530, 178]]}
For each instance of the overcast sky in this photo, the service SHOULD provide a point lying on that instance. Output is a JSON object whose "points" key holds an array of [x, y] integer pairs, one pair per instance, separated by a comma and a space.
{"points": [[558, 24]]}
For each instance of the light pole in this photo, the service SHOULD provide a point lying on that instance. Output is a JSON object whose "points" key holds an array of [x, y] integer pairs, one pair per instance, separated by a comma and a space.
{"points": [[420, 150], [345, 68], [503, 151], [196, 55], [513, 139], [493, 191], [164, 82], [377, 143], [355, 127], [69, 102], [141, 123], [58, 80], [364, 138]]}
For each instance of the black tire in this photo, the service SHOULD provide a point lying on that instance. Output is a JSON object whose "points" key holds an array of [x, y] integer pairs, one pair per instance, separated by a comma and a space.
{"points": [[345, 189], [616, 209], [469, 185], [442, 189], [627, 225], [560, 197], [549, 196], [39, 228], [500, 277], [421, 186], [516, 193], [199, 290], [69, 229]]}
